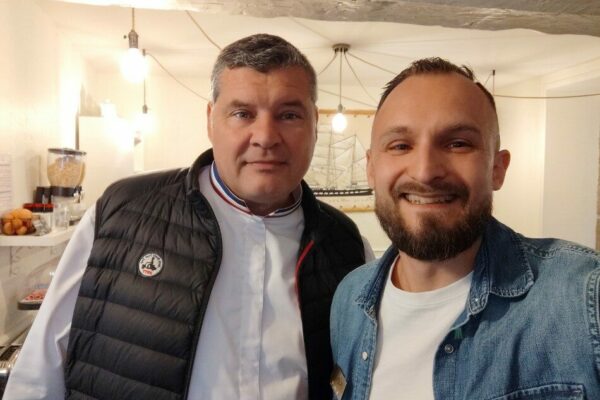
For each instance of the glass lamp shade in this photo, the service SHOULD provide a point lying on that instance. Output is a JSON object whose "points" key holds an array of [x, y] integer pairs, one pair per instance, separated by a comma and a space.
{"points": [[145, 123], [339, 122], [134, 66]]}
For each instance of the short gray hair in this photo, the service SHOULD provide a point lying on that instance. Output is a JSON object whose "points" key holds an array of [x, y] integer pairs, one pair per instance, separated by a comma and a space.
{"points": [[262, 53]]}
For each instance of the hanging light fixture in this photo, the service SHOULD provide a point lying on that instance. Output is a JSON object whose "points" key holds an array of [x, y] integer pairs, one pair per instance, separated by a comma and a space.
{"points": [[133, 63], [339, 121], [144, 122]]}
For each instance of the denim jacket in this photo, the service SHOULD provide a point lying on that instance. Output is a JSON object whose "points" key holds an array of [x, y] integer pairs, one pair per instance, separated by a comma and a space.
{"points": [[530, 328]]}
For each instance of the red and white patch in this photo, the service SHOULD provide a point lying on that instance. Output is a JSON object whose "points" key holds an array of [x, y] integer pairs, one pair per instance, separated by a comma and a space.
{"points": [[150, 265]]}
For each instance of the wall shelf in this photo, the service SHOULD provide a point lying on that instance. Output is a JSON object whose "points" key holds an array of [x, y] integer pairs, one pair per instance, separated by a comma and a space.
{"points": [[51, 239]]}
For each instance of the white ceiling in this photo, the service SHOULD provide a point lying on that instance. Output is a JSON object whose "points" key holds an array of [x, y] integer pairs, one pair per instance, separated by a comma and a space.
{"points": [[171, 36]]}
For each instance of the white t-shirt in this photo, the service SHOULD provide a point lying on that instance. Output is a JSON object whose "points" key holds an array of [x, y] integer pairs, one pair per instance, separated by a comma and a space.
{"points": [[411, 327]]}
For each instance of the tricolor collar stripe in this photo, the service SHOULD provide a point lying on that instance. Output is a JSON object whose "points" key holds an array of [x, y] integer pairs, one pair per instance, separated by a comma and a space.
{"points": [[230, 198], [227, 199], [221, 187]]}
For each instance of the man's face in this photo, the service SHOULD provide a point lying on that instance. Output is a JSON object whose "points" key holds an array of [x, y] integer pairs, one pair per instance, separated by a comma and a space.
{"points": [[433, 165], [263, 131]]}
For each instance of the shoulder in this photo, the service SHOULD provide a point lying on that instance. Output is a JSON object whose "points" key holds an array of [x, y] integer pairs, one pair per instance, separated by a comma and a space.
{"points": [[552, 247], [137, 185], [355, 282], [560, 253], [328, 225], [332, 213], [542, 255]]}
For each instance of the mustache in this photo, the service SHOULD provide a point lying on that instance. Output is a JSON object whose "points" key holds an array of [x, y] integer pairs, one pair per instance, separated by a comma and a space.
{"points": [[456, 189]]}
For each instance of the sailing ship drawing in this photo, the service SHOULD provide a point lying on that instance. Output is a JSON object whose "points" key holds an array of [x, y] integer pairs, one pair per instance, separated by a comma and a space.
{"points": [[339, 166]]}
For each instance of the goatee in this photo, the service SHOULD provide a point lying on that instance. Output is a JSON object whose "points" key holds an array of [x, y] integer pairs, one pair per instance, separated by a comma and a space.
{"points": [[433, 239]]}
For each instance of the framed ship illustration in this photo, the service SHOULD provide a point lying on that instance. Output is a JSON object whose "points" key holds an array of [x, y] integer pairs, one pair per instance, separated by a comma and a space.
{"points": [[338, 172]]}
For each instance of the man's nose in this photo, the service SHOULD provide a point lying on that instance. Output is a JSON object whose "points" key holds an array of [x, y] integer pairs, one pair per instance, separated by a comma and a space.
{"points": [[265, 132], [427, 165]]}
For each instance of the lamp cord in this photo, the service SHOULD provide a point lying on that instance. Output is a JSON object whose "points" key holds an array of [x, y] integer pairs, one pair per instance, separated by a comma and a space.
{"points": [[358, 79], [340, 86], [371, 64], [328, 64], [202, 30], [175, 78]]}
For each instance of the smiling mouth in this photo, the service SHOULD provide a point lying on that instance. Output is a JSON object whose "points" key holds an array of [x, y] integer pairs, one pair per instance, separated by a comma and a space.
{"points": [[429, 199]]}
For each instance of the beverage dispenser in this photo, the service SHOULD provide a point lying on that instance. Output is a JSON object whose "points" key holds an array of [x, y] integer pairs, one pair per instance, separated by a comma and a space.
{"points": [[66, 170]]}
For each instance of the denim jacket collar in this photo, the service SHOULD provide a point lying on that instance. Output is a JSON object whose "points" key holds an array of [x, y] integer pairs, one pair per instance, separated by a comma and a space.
{"points": [[501, 269]]}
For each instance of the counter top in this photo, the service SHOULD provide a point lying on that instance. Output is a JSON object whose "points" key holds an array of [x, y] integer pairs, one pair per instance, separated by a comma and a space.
{"points": [[51, 239]]}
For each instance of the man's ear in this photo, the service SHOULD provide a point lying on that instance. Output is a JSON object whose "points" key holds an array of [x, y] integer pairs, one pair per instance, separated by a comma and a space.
{"points": [[209, 109], [370, 171], [316, 120], [501, 163]]}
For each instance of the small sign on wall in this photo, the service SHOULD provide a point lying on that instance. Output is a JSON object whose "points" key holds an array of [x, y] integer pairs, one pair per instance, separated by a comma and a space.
{"points": [[5, 183]]}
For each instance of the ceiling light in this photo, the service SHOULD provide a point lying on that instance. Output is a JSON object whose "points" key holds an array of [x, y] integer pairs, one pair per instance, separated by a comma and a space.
{"points": [[339, 121], [133, 63]]}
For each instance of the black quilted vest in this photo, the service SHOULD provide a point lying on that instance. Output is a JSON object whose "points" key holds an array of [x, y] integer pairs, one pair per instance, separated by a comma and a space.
{"points": [[134, 337]]}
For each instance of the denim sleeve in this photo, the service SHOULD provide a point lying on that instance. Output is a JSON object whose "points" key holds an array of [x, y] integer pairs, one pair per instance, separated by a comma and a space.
{"points": [[593, 308]]}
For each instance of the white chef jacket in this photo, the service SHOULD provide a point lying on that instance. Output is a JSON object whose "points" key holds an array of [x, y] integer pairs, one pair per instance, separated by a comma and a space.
{"points": [[251, 345]]}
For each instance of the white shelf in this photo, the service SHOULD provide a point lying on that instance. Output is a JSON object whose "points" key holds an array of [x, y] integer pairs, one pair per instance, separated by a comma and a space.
{"points": [[51, 239]]}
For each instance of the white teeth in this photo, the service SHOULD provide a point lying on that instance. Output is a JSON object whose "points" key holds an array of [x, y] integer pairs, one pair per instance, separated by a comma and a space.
{"points": [[416, 199]]}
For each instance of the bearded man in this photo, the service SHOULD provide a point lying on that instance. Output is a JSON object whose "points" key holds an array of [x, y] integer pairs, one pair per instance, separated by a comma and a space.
{"points": [[460, 306]]}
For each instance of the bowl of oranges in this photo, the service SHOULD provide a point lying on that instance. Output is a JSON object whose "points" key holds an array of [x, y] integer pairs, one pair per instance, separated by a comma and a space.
{"points": [[18, 222]]}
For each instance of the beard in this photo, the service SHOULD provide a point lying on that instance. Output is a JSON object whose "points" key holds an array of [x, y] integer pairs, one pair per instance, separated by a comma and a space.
{"points": [[433, 239]]}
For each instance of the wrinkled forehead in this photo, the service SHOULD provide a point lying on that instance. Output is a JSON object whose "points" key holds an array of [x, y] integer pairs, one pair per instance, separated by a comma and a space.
{"points": [[294, 77], [283, 85]]}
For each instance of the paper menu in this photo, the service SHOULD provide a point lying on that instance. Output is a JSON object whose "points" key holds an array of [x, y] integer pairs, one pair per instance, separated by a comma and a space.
{"points": [[5, 183]]}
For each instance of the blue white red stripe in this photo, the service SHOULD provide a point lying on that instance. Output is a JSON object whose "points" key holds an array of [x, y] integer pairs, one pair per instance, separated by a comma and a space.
{"points": [[230, 198]]}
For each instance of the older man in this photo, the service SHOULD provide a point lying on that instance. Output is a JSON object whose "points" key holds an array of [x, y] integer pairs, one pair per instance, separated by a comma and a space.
{"points": [[212, 282], [460, 306]]}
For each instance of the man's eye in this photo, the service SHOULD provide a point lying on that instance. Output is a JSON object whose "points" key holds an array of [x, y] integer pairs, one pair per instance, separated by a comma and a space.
{"points": [[458, 144], [399, 147], [241, 114], [290, 115]]}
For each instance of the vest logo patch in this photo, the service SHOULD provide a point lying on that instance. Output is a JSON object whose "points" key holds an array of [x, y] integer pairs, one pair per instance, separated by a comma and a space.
{"points": [[150, 265]]}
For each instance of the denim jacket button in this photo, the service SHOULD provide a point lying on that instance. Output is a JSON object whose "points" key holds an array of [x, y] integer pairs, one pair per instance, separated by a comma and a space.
{"points": [[365, 355], [449, 349]]}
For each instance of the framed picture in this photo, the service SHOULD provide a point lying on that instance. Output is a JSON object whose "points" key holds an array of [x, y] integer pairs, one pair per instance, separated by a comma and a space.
{"points": [[338, 172]]}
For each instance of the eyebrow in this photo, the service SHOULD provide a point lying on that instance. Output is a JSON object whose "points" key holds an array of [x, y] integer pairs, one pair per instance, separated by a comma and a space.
{"points": [[292, 103], [461, 127], [454, 128], [237, 103]]}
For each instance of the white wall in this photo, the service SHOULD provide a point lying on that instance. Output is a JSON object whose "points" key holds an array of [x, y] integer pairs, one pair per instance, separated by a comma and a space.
{"points": [[109, 145], [522, 131], [551, 186], [571, 173], [180, 116], [40, 79]]}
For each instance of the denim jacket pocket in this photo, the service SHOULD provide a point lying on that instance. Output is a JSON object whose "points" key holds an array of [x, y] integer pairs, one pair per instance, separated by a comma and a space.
{"points": [[554, 391]]}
